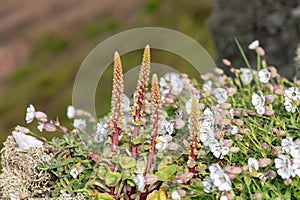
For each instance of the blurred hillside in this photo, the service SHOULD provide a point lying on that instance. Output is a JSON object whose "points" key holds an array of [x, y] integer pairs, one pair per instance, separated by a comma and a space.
{"points": [[42, 44]]}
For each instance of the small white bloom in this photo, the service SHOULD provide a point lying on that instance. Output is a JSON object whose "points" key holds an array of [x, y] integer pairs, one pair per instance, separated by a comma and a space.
{"points": [[207, 136], [296, 167], [260, 110], [218, 149], [101, 132], [214, 168], [140, 181], [79, 124], [292, 93], [188, 106], [167, 127], [176, 83], [221, 180], [283, 164], [258, 100], [71, 112], [40, 126], [207, 86], [162, 144], [253, 164], [175, 195], [74, 172], [253, 45], [287, 144], [289, 106], [30, 112], [295, 150], [208, 186], [264, 75], [224, 198], [246, 75], [220, 94], [234, 130]]}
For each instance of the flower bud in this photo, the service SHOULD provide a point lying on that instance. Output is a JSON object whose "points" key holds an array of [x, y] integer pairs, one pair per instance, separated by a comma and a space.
{"points": [[264, 162], [219, 71], [260, 51], [232, 170], [49, 127], [276, 151], [168, 100], [280, 133], [184, 178], [269, 98], [226, 62], [234, 149], [265, 146], [150, 179], [268, 110], [41, 116], [230, 91], [238, 122], [22, 129], [224, 105], [288, 181], [271, 174], [257, 196], [178, 123]]}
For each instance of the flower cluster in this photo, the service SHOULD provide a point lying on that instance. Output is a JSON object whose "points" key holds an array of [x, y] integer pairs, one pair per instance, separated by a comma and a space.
{"points": [[224, 137]]}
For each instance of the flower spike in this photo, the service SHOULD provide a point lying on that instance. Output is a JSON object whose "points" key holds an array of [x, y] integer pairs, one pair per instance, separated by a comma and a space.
{"points": [[142, 85], [194, 132], [117, 101], [155, 117]]}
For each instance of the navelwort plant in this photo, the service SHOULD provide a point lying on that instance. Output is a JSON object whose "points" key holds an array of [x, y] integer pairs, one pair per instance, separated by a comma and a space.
{"points": [[224, 137]]}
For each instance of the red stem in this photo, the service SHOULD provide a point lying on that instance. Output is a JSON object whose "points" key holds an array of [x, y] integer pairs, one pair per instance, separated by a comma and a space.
{"points": [[153, 141], [193, 155]]}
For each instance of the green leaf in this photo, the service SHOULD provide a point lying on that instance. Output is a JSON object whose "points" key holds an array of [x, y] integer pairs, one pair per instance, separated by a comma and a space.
{"points": [[127, 174], [112, 179], [103, 170], [166, 172], [127, 162], [137, 140], [104, 196]]}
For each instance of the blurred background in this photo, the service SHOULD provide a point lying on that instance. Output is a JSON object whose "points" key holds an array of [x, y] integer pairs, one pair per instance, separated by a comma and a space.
{"points": [[43, 43]]}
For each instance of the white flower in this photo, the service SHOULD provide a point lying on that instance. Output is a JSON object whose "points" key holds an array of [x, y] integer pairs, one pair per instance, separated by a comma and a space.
{"points": [[30, 112], [220, 94], [140, 181], [289, 106], [207, 185], [188, 104], [292, 93], [253, 164], [162, 144], [40, 126], [206, 136], [167, 127], [71, 112], [234, 130], [176, 83], [253, 45], [207, 86], [287, 144], [175, 195], [283, 164], [246, 75], [101, 132], [14, 196], [295, 150], [218, 149], [260, 110], [74, 172], [221, 180], [79, 123], [264, 75], [214, 168], [223, 198], [258, 100], [296, 167]]}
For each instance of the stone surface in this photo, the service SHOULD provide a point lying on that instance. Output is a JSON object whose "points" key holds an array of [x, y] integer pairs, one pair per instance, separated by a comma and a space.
{"points": [[276, 24]]}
